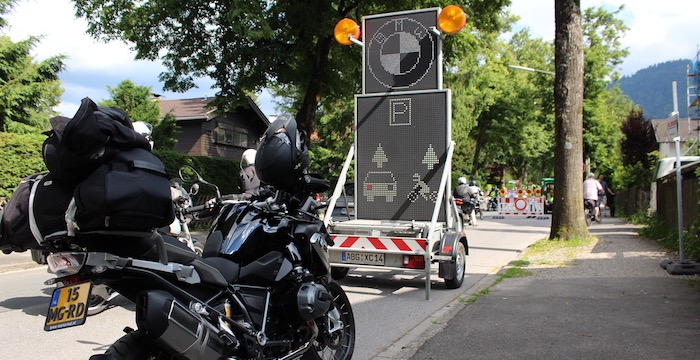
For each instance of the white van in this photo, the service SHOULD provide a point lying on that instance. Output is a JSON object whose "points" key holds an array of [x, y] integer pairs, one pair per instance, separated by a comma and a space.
{"points": [[664, 167]]}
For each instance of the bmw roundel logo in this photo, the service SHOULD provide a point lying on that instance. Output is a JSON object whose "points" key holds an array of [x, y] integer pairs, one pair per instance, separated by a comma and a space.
{"points": [[400, 53]]}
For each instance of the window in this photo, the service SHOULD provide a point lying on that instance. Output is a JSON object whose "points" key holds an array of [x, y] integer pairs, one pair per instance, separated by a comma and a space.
{"points": [[231, 135]]}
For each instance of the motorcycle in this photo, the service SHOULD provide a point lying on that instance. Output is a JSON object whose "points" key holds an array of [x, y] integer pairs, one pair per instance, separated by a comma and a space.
{"points": [[466, 207], [263, 289], [492, 204]]}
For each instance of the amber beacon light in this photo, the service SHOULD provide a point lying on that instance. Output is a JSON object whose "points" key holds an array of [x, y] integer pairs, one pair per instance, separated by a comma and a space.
{"points": [[346, 31], [451, 19]]}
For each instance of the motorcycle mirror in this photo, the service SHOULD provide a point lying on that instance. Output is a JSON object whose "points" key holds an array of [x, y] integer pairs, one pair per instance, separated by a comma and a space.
{"points": [[194, 189], [189, 174]]}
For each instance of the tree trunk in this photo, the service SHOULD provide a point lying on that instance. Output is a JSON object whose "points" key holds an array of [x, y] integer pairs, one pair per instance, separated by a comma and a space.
{"points": [[312, 96], [567, 218]]}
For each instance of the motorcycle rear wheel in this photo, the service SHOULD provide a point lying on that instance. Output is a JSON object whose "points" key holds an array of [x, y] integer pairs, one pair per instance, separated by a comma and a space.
{"points": [[133, 346], [340, 345]]}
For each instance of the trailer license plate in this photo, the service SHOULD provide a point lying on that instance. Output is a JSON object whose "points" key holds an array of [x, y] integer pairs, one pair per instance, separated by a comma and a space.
{"points": [[362, 258], [68, 306]]}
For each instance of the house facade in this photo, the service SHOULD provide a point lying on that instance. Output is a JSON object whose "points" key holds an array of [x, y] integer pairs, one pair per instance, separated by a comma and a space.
{"points": [[204, 131]]}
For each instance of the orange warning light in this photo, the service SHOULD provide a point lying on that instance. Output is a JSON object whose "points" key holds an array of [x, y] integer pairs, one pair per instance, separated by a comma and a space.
{"points": [[451, 19], [345, 29]]}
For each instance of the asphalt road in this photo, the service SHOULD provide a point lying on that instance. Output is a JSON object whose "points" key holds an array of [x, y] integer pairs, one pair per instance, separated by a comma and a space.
{"points": [[389, 307]]}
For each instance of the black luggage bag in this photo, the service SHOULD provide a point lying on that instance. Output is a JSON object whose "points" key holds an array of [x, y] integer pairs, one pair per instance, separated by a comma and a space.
{"points": [[129, 192], [36, 210]]}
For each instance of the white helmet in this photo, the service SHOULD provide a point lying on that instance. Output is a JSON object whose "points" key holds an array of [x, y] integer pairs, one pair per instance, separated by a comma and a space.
{"points": [[248, 157], [462, 180]]}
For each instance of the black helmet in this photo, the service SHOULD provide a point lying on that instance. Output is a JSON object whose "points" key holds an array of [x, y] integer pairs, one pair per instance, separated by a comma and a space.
{"points": [[472, 183], [282, 155]]}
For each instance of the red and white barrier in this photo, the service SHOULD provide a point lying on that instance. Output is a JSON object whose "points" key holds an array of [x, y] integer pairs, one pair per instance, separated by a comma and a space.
{"points": [[521, 205]]}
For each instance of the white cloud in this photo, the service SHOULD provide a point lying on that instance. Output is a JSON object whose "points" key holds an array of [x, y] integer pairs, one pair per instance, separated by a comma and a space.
{"points": [[658, 30]]}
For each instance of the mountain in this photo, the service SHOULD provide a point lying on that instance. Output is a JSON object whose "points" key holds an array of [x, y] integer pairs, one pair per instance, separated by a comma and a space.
{"points": [[651, 88]]}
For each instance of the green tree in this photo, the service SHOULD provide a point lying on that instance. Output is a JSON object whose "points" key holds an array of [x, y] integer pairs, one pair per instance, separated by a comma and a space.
{"points": [[638, 146], [28, 89], [245, 46], [603, 53], [138, 102]]}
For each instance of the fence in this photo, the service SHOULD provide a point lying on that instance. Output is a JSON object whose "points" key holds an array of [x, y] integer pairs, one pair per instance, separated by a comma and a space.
{"points": [[636, 200]]}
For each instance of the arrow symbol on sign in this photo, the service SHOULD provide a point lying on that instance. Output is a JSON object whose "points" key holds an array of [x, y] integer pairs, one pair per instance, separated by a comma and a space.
{"points": [[430, 158], [379, 157]]}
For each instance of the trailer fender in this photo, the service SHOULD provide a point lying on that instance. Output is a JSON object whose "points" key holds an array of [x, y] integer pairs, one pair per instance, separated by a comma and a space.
{"points": [[448, 247]]}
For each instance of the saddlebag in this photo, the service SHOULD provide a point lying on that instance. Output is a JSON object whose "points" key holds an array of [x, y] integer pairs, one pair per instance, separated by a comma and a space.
{"points": [[35, 211], [129, 192], [75, 147]]}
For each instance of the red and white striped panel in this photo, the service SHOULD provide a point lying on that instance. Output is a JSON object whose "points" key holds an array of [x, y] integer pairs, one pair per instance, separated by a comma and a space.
{"points": [[380, 243], [521, 206]]}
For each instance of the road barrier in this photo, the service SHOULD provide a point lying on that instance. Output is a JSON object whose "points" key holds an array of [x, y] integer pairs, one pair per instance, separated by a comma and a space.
{"points": [[528, 206]]}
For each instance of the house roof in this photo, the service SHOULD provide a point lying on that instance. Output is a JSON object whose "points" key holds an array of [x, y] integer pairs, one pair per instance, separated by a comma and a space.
{"points": [[687, 128], [196, 109], [186, 108]]}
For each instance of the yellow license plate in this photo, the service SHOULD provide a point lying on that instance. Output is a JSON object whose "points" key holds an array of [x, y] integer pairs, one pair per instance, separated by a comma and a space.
{"points": [[68, 306]]}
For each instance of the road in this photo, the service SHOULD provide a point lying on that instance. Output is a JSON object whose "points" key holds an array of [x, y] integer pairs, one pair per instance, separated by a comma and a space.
{"points": [[389, 307]]}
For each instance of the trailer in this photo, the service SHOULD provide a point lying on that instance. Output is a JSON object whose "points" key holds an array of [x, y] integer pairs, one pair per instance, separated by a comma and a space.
{"points": [[404, 216]]}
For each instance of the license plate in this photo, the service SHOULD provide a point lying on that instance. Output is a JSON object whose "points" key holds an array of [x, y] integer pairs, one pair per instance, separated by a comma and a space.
{"points": [[362, 258], [68, 306]]}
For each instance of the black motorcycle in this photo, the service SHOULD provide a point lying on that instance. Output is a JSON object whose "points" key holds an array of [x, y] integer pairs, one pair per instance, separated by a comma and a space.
{"points": [[262, 290]]}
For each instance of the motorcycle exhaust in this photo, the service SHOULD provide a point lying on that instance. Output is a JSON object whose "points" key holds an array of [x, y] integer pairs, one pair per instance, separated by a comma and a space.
{"points": [[176, 328]]}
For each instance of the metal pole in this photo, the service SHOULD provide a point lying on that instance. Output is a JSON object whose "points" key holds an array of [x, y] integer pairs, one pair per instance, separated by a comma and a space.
{"points": [[679, 198]]}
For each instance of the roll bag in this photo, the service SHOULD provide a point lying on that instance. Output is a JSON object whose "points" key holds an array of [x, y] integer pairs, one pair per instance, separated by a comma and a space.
{"points": [[75, 147], [35, 211], [129, 192]]}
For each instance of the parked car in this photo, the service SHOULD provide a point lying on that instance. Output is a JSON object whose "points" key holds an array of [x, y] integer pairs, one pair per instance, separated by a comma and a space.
{"points": [[345, 205]]}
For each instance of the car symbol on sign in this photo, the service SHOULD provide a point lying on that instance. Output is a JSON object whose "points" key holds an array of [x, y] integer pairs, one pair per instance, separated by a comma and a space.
{"points": [[378, 184]]}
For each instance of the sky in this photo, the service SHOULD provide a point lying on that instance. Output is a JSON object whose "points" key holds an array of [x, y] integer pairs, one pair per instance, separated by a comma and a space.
{"points": [[658, 31]]}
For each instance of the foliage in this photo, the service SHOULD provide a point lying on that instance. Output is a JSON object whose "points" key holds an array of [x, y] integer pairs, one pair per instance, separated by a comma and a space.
{"points": [[221, 172], [138, 102], [658, 230], [246, 46], [650, 88], [20, 156], [604, 107], [639, 151], [28, 89]]}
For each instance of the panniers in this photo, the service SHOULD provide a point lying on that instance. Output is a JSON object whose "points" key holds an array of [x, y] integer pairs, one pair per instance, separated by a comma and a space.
{"points": [[35, 211], [131, 191]]}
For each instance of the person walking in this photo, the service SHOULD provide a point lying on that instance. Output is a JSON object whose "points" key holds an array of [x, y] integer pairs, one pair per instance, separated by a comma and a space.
{"points": [[591, 188]]}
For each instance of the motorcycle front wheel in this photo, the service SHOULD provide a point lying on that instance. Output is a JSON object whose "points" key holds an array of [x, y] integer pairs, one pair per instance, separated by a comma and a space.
{"points": [[340, 344]]}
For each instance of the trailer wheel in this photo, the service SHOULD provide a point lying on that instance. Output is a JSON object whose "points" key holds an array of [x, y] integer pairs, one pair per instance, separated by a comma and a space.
{"points": [[338, 273], [460, 266]]}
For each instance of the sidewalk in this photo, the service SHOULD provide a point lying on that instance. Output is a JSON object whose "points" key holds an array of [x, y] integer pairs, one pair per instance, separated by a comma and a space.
{"points": [[17, 261], [613, 302]]}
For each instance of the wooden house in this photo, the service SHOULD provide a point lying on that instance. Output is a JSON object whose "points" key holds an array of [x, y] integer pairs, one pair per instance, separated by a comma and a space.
{"points": [[204, 131]]}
